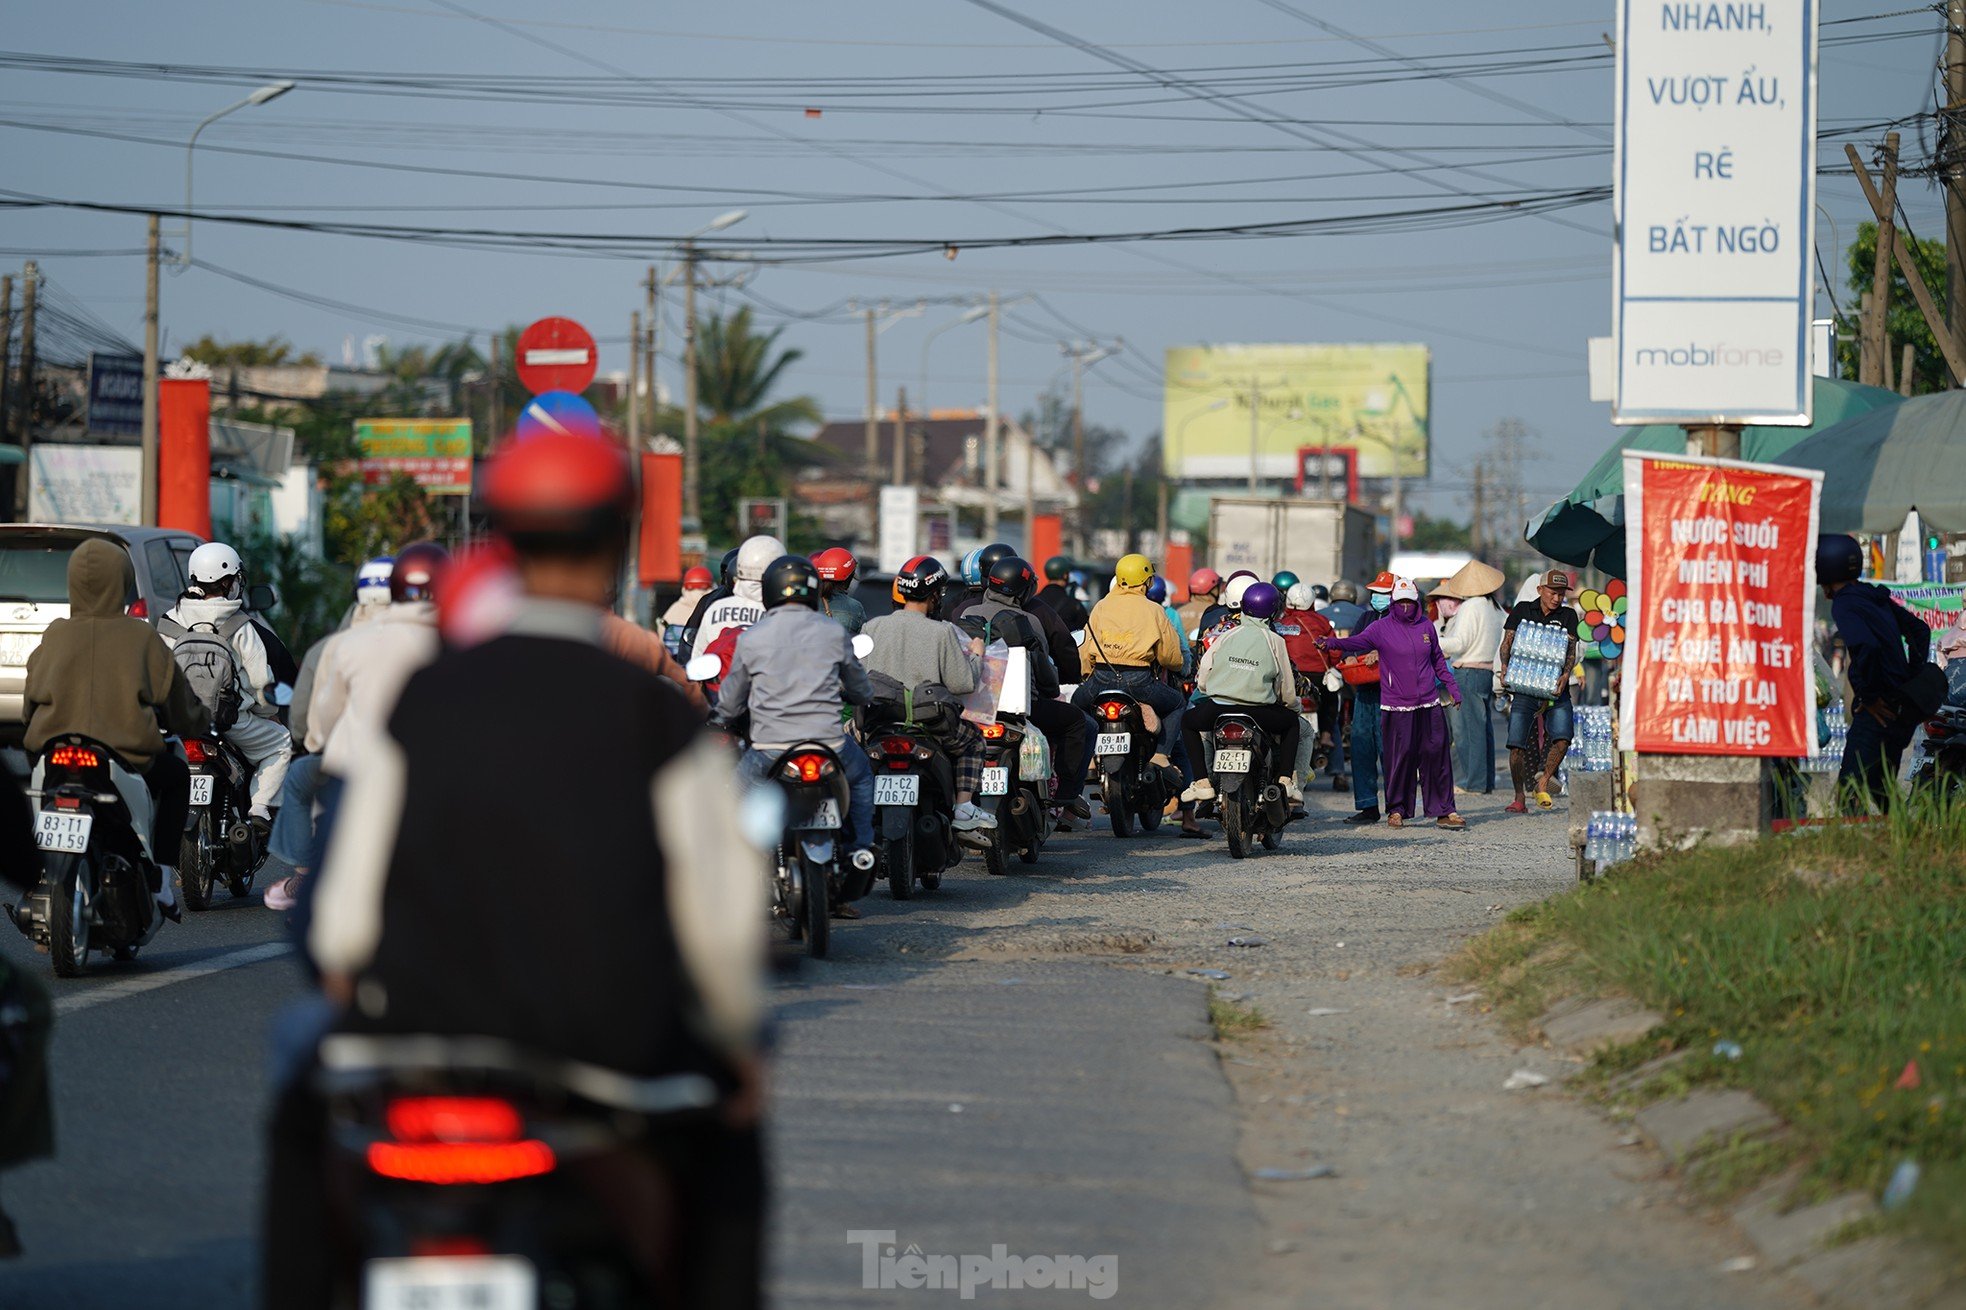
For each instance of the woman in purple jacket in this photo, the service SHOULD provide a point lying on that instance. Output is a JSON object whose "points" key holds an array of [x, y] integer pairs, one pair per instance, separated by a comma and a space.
{"points": [[1413, 728]]}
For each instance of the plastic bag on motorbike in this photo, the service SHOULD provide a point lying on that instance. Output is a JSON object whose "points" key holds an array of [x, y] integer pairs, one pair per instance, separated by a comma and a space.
{"points": [[980, 706], [1015, 697], [1034, 757]]}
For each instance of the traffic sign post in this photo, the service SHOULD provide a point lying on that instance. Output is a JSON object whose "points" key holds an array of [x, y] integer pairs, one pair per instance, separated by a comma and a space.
{"points": [[1716, 150], [556, 354]]}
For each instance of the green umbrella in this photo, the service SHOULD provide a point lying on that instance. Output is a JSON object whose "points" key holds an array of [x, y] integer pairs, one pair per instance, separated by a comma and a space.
{"points": [[1587, 527], [1878, 467]]}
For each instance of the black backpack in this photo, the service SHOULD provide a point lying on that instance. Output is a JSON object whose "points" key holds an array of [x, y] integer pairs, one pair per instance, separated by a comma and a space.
{"points": [[1925, 691]]}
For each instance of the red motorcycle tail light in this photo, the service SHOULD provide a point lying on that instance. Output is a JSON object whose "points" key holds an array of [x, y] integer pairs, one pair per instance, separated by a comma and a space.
{"points": [[808, 767], [74, 757], [457, 1140], [1111, 710], [439, 1248], [196, 751], [140, 610], [897, 746], [1233, 732], [993, 731]]}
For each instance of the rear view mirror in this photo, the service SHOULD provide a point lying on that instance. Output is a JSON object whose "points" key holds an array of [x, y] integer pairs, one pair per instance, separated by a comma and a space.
{"points": [[261, 598], [863, 646], [704, 668]]}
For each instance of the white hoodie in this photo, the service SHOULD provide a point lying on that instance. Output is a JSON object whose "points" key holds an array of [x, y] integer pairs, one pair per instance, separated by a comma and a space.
{"points": [[739, 611], [361, 674], [255, 671]]}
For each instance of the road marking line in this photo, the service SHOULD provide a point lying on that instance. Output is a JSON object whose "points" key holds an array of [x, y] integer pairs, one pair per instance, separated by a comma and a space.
{"points": [[151, 982]]}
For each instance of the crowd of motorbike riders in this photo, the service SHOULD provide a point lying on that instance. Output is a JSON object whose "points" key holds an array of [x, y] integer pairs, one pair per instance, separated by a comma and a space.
{"points": [[620, 925]]}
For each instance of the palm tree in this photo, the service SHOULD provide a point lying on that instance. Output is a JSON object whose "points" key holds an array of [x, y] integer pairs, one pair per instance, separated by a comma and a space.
{"points": [[735, 373]]}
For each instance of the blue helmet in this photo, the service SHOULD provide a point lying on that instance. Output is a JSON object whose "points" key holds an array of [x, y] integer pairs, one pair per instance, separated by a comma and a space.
{"points": [[1157, 589], [372, 580], [972, 567]]}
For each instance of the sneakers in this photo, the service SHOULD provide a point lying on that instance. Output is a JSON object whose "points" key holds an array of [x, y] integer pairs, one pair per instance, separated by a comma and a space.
{"points": [[1370, 814], [970, 818], [166, 893], [1202, 790], [284, 894], [1291, 789]]}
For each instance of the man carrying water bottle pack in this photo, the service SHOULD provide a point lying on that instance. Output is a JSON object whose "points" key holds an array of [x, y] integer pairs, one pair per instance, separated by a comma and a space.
{"points": [[1525, 705]]}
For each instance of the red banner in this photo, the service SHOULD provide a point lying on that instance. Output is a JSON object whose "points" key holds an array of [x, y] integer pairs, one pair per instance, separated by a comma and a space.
{"points": [[1723, 603], [660, 557], [184, 455]]}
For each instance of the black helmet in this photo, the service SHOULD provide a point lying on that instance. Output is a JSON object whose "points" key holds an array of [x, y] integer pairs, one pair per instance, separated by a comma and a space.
{"points": [[1011, 578], [1057, 568], [727, 571], [920, 579], [1838, 559], [790, 580], [990, 554]]}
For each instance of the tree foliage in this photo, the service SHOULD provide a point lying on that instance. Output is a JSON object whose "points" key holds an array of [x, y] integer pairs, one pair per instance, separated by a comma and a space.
{"points": [[1904, 323], [271, 352]]}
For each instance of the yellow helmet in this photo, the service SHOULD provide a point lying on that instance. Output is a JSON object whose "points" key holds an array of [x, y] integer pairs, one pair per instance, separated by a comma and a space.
{"points": [[1133, 570]]}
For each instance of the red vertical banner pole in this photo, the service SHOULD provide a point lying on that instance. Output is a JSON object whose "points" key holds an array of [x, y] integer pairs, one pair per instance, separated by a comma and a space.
{"points": [[660, 557], [184, 455], [1180, 562], [1047, 537]]}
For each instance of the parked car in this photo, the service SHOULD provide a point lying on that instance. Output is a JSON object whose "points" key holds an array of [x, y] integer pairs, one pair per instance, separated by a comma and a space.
{"points": [[34, 589]]}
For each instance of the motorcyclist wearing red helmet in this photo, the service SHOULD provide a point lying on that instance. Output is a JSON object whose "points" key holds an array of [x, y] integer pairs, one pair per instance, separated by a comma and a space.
{"points": [[460, 897], [697, 583], [837, 568]]}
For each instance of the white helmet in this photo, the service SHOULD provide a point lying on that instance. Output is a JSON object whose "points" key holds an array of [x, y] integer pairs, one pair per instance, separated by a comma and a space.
{"points": [[1232, 594], [214, 562], [756, 555], [372, 580], [1300, 596]]}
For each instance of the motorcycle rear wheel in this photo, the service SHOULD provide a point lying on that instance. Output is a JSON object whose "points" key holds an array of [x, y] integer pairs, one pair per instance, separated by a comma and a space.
{"points": [[197, 854], [68, 931], [1235, 826], [1272, 839], [1119, 806], [818, 908], [900, 852]]}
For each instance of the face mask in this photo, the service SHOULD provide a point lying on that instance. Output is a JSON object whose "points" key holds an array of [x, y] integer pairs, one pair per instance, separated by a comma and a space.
{"points": [[1408, 608], [1381, 602]]}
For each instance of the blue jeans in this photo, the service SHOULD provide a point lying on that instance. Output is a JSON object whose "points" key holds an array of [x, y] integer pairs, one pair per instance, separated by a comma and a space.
{"points": [[1474, 729], [1872, 753], [1559, 725], [1142, 685], [293, 826], [859, 784], [1365, 749]]}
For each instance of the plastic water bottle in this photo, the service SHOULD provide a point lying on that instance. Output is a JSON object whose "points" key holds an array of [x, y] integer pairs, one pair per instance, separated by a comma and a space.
{"points": [[1594, 838]]}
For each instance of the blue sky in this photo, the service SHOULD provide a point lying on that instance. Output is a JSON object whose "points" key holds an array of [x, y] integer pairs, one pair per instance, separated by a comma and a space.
{"points": [[919, 101]]}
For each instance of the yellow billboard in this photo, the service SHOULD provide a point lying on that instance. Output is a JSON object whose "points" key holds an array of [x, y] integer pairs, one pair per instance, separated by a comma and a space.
{"points": [[1228, 407]]}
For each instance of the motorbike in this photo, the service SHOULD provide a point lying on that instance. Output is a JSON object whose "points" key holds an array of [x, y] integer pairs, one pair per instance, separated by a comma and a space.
{"points": [[1131, 785], [1017, 789], [1247, 802], [469, 1172], [92, 823], [914, 807], [219, 842], [1941, 763], [810, 873]]}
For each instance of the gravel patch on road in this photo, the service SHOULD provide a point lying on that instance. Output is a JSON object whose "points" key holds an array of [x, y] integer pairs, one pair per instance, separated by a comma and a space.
{"points": [[1443, 1187]]}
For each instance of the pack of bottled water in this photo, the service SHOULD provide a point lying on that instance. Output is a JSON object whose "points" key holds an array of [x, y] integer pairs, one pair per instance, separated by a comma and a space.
{"points": [[1596, 740], [1610, 837], [1829, 756], [1537, 659]]}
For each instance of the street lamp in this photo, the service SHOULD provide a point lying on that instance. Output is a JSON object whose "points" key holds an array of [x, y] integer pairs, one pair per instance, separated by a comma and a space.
{"points": [[271, 91], [692, 463]]}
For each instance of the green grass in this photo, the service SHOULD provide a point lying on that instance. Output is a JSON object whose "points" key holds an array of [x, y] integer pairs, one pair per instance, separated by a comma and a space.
{"points": [[1233, 1019], [1830, 984]]}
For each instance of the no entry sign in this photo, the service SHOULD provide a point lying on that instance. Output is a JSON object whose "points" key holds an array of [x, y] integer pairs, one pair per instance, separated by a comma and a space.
{"points": [[556, 354]]}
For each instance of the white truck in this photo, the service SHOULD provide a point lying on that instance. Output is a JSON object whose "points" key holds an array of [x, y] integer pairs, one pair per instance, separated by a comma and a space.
{"points": [[1320, 541]]}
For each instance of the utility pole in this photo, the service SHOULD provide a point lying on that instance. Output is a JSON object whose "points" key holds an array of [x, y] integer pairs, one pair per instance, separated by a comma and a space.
{"points": [[495, 413], [901, 436], [652, 288], [1255, 416], [873, 404], [990, 428], [150, 377], [1031, 482], [7, 356], [635, 381], [30, 296], [1478, 525], [1953, 151], [1078, 452], [692, 455], [1877, 348]]}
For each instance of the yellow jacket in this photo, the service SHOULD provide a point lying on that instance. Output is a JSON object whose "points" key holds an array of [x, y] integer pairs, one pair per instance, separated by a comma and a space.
{"points": [[1127, 630]]}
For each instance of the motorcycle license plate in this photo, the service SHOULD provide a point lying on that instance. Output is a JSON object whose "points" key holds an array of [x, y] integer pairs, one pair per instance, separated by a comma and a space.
{"points": [[996, 781], [1113, 743], [826, 816], [58, 830], [491, 1282], [1232, 761], [905, 789], [201, 789]]}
